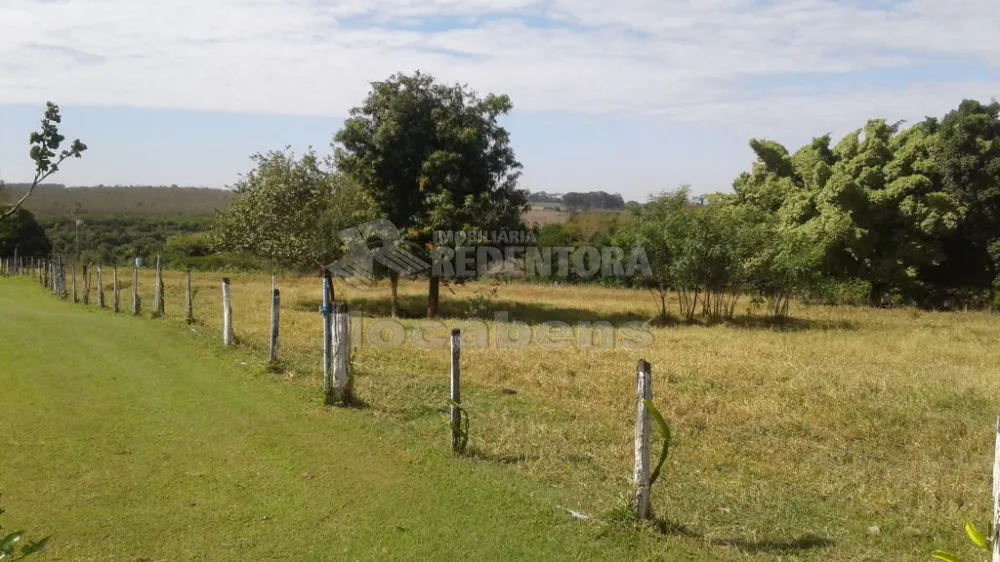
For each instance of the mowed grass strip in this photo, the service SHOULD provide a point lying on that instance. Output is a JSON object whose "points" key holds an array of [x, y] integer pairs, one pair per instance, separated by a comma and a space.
{"points": [[127, 440], [848, 434]]}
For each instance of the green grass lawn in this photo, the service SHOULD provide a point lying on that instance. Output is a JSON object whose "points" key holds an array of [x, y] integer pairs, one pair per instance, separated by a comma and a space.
{"points": [[130, 439]]}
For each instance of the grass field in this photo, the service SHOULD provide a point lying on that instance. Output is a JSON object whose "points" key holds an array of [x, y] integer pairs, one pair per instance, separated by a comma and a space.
{"points": [[847, 435]]}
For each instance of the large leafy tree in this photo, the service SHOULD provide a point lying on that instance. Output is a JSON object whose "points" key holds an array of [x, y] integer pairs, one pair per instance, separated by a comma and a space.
{"points": [[291, 211], [872, 205], [433, 157], [965, 152]]}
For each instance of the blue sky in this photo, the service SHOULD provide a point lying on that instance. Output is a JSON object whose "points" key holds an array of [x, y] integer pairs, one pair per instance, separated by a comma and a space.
{"points": [[632, 97]]}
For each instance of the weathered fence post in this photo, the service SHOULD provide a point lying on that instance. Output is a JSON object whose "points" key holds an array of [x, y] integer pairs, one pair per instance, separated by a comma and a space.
{"points": [[75, 298], [643, 391], [328, 395], [995, 531], [62, 279], [227, 315], [136, 302], [272, 355], [86, 284], [158, 290], [343, 384], [100, 287], [456, 391], [116, 290], [188, 299]]}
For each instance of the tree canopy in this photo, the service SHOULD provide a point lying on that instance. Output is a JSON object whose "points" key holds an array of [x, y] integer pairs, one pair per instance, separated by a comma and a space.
{"points": [[291, 210], [433, 157]]}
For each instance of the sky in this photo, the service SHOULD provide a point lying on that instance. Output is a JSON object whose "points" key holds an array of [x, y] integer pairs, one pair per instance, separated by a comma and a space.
{"points": [[631, 96]]}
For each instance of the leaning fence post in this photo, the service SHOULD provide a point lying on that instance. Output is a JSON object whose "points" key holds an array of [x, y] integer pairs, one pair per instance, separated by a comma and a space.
{"points": [[116, 289], [100, 287], [995, 531], [136, 302], [328, 395], [457, 442], [188, 299], [158, 290], [86, 284], [343, 387], [643, 391], [227, 315], [272, 355]]}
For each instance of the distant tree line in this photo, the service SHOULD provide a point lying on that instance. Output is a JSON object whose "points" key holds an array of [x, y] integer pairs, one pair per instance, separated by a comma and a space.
{"points": [[585, 201], [886, 215]]}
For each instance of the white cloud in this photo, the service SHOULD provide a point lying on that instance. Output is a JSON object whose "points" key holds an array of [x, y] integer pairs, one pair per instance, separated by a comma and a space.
{"points": [[682, 60]]}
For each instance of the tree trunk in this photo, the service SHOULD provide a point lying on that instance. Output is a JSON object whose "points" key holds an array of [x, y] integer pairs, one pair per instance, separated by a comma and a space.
{"points": [[433, 296], [394, 283]]}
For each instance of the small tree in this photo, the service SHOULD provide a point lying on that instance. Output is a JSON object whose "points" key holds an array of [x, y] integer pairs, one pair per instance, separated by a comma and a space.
{"points": [[290, 211], [44, 143]]}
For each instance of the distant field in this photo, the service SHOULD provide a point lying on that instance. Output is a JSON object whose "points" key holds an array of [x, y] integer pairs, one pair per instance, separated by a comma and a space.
{"points": [[547, 216], [58, 202], [849, 434]]}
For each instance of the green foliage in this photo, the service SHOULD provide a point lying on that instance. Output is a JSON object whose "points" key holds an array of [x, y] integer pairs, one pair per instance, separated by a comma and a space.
{"points": [[118, 240], [22, 232], [44, 144], [10, 543], [290, 211], [913, 213], [433, 157], [664, 429], [977, 539]]}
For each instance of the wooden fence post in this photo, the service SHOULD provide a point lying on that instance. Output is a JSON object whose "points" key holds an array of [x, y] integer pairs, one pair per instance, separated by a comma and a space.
{"points": [[61, 272], [116, 290], [343, 384], [100, 287], [188, 299], [158, 290], [75, 298], [227, 315], [86, 284], [456, 391], [643, 391], [136, 302], [272, 355], [328, 395]]}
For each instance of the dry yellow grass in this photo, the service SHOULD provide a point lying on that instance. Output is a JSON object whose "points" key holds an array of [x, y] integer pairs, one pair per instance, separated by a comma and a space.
{"points": [[851, 434]]}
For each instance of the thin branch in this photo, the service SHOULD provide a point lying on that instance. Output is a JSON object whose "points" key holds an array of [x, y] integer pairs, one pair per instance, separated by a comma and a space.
{"points": [[38, 179]]}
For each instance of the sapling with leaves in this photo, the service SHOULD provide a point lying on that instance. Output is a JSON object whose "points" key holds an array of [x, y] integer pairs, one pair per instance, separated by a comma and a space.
{"points": [[44, 144], [975, 537]]}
